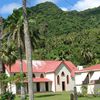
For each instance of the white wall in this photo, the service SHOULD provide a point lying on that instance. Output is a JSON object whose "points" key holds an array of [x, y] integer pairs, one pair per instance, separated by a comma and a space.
{"points": [[68, 87], [78, 79], [51, 76], [37, 75], [93, 88], [42, 87], [34, 87], [12, 88], [78, 82]]}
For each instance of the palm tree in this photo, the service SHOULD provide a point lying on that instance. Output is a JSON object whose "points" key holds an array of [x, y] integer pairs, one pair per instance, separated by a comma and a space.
{"points": [[12, 29], [15, 31], [87, 55], [28, 51], [8, 55]]}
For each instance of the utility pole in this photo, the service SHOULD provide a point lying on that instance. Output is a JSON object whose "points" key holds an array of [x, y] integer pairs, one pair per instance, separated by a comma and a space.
{"points": [[75, 93], [1, 28]]}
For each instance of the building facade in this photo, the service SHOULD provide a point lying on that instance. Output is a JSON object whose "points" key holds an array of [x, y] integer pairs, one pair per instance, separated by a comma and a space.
{"points": [[90, 78], [47, 75]]}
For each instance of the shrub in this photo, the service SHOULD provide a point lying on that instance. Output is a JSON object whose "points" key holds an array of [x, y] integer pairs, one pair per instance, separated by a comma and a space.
{"points": [[7, 96], [84, 90], [97, 92]]}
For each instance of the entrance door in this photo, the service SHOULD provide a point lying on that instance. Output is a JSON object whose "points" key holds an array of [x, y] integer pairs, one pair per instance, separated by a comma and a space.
{"points": [[38, 87], [46, 86], [63, 86]]}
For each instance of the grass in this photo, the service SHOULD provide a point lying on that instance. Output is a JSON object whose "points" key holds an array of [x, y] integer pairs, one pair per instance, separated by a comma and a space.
{"points": [[89, 98], [58, 96]]}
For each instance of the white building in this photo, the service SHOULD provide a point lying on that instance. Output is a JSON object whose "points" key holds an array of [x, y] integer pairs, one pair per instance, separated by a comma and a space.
{"points": [[88, 77], [47, 75]]}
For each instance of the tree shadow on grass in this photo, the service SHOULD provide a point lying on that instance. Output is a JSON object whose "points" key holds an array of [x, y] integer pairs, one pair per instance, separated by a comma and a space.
{"points": [[47, 95]]}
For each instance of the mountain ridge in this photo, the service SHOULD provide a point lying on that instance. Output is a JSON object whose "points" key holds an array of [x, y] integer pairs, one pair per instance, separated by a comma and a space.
{"points": [[69, 35]]}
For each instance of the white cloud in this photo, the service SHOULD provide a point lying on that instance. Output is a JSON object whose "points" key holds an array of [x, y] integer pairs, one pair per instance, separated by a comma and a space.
{"points": [[86, 4], [41, 1], [8, 9], [64, 9]]}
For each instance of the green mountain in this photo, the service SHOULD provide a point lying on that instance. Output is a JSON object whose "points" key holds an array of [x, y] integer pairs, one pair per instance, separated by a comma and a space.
{"points": [[69, 35]]}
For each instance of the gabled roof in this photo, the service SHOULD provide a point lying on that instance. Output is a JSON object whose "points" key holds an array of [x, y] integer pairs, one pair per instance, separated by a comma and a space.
{"points": [[42, 66], [71, 67], [91, 68]]}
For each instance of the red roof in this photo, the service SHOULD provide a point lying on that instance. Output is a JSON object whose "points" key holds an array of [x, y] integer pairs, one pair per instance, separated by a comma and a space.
{"points": [[40, 80], [42, 66], [91, 68], [71, 67]]}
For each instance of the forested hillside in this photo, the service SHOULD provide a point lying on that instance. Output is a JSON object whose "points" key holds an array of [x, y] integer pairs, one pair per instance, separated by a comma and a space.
{"points": [[69, 35]]}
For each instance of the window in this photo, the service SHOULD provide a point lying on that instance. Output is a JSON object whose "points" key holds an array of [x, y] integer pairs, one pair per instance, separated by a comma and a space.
{"points": [[41, 76], [86, 81], [58, 79], [33, 75], [62, 74], [67, 79]]}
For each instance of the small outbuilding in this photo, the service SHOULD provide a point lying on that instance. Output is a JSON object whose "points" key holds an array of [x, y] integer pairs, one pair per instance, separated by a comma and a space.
{"points": [[88, 77]]}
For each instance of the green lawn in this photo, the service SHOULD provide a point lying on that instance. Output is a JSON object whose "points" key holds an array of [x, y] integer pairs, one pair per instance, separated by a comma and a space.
{"points": [[58, 96]]}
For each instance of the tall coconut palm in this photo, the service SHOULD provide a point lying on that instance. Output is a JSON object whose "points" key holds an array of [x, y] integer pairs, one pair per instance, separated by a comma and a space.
{"points": [[12, 29], [15, 30], [8, 55], [28, 51]]}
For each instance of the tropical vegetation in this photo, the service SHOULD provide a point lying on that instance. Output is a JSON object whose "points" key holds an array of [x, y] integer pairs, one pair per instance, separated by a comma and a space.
{"points": [[69, 35], [48, 33]]}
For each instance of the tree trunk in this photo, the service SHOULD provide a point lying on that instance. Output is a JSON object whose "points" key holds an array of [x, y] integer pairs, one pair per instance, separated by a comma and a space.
{"points": [[28, 52], [10, 85], [21, 67], [21, 75]]}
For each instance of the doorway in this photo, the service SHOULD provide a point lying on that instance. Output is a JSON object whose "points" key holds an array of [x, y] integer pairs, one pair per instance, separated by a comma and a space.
{"points": [[63, 86], [46, 86], [38, 87]]}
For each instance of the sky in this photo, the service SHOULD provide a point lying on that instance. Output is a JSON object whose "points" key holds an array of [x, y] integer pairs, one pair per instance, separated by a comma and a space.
{"points": [[7, 6]]}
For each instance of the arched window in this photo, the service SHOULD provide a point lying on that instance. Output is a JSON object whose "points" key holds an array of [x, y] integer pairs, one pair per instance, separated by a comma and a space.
{"points": [[62, 74], [58, 79], [67, 79], [41, 76], [33, 75]]}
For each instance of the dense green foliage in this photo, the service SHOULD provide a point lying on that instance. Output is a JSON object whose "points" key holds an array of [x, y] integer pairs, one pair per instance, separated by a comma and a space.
{"points": [[7, 96], [69, 35]]}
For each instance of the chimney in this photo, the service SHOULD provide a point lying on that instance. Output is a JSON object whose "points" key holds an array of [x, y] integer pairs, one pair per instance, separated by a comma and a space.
{"points": [[80, 67]]}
